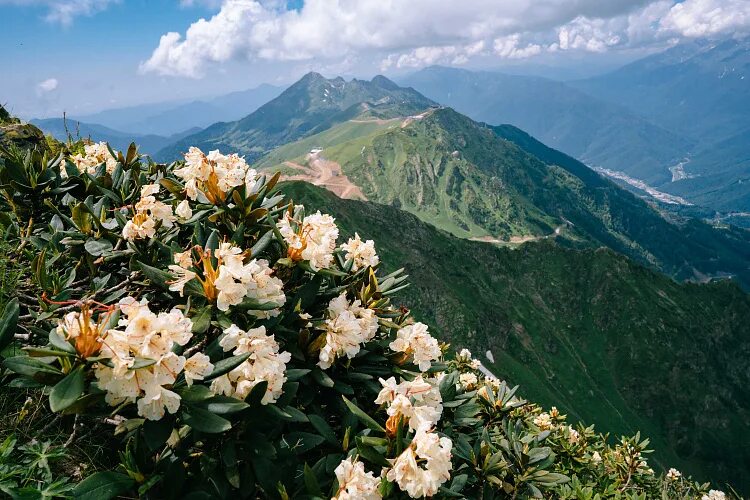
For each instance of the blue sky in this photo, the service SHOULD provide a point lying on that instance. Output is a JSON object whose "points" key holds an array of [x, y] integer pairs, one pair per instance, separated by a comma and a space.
{"points": [[82, 56]]}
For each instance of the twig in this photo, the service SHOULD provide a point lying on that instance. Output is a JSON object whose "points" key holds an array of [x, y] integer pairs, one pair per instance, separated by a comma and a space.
{"points": [[72, 434]]}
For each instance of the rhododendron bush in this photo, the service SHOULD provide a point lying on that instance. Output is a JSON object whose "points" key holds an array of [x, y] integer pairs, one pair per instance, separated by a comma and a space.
{"points": [[239, 347]]}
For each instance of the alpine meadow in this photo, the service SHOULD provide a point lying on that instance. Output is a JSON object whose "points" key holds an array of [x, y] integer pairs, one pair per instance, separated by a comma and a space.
{"points": [[366, 250]]}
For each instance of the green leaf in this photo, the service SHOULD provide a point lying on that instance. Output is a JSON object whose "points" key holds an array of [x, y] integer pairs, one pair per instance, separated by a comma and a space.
{"points": [[58, 342], [202, 320], [323, 428], [294, 374], [156, 433], [311, 482], [194, 393], [256, 393], [204, 421], [322, 378], [362, 416], [24, 365], [99, 247], [372, 455], [226, 365], [8, 323], [300, 442], [103, 486], [66, 391], [223, 405]]}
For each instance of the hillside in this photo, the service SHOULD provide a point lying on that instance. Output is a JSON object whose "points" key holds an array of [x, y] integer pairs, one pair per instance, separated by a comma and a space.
{"points": [[311, 105], [148, 143], [597, 132], [476, 182], [609, 341]]}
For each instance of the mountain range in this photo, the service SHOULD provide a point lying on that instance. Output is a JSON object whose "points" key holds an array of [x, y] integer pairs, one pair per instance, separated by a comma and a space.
{"points": [[60, 128], [497, 184], [674, 122], [171, 118], [312, 104]]}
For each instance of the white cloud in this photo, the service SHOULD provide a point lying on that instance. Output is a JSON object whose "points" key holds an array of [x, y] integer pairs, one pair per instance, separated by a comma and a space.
{"points": [[508, 47], [64, 11], [701, 18], [47, 85], [421, 32]]}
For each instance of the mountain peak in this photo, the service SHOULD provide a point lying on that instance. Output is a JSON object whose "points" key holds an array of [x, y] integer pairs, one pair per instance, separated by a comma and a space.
{"points": [[384, 83]]}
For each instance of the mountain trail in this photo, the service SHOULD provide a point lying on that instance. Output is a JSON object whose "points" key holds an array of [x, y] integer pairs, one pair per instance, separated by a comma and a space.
{"points": [[327, 174], [517, 240]]}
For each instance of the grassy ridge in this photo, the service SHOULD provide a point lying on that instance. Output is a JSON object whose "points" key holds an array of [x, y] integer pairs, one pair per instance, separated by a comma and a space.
{"points": [[611, 342], [477, 181]]}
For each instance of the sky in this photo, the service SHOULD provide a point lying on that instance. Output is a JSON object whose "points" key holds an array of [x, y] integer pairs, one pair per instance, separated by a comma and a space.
{"points": [[83, 56]]}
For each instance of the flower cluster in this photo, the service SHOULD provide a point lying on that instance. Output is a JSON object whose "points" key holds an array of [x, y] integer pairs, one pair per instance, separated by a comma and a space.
{"points": [[355, 483], [417, 402], [148, 213], [313, 239], [416, 341], [233, 280], [361, 253], [348, 326], [714, 495], [464, 356], [423, 466], [140, 363], [94, 155], [265, 363], [209, 177]]}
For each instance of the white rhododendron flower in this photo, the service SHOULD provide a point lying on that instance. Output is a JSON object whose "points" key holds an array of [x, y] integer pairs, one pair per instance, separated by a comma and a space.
{"points": [[348, 326], [184, 259], [543, 421], [183, 210], [197, 367], [146, 335], [468, 380], [254, 280], [313, 240], [418, 402], [596, 457], [94, 155], [355, 483], [141, 226], [264, 364], [714, 495], [674, 474], [416, 341], [148, 211], [182, 276], [214, 174], [361, 253], [423, 466], [573, 435]]}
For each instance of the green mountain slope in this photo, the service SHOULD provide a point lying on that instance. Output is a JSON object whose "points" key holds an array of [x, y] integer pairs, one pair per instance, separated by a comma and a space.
{"points": [[312, 104], [597, 132], [477, 181], [602, 338]]}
